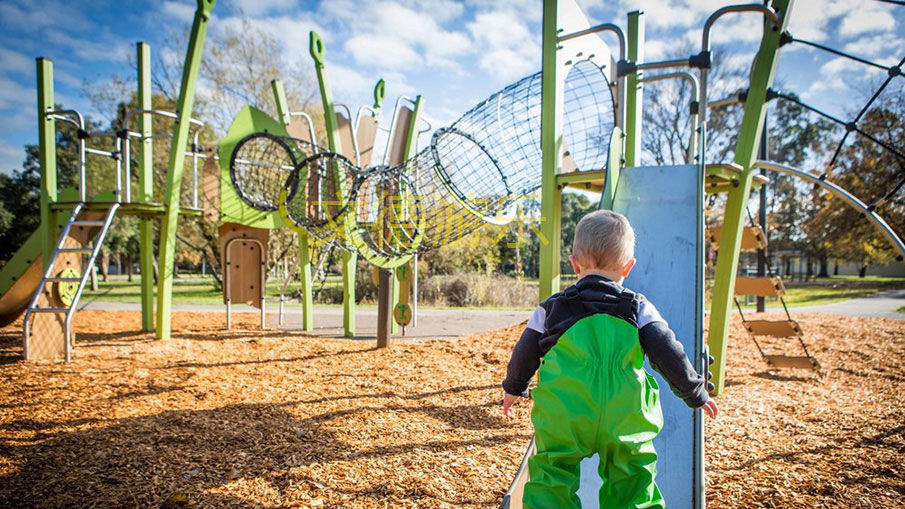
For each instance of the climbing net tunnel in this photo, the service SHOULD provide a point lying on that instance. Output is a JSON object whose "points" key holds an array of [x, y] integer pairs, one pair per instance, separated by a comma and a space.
{"points": [[474, 171]]}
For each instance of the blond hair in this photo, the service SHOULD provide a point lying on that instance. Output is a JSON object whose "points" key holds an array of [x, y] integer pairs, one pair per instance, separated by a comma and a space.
{"points": [[604, 240]]}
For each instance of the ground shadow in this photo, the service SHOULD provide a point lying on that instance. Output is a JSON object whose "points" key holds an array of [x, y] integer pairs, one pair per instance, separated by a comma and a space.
{"points": [[143, 460]]}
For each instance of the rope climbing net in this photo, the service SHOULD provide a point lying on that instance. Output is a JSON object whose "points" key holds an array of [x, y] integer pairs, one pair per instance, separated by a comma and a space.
{"points": [[893, 72]]}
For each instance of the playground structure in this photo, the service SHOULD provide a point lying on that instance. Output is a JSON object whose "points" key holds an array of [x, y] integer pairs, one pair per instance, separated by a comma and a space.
{"points": [[579, 120]]}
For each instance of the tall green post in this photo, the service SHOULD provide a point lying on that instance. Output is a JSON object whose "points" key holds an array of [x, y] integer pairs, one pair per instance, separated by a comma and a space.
{"points": [[733, 220], [283, 112], [145, 186], [47, 156], [551, 146], [349, 259], [634, 52], [175, 166]]}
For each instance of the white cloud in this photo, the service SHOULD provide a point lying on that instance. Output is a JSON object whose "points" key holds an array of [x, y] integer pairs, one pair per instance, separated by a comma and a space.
{"points": [[506, 47], [181, 11], [384, 51], [13, 94], [871, 18], [887, 45], [11, 157], [13, 61], [91, 48], [258, 7]]}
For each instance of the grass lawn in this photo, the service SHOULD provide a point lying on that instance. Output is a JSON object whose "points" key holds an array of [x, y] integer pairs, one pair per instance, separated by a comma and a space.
{"points": [[195, 289], [832, 289]]}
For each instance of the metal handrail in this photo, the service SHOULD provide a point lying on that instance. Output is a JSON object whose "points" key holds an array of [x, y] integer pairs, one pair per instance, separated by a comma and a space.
{"points": [[693, 117], [849, 198], [605, 27], [79, 123], [352, 131], [392, 129], [310, 126], [717, 14]]}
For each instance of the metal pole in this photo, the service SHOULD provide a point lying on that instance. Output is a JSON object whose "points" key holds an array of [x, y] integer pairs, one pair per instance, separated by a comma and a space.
{"points": [[384, 309], [762, 217]]}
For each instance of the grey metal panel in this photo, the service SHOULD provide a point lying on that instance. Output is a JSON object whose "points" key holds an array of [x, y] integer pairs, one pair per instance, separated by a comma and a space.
{"points": [[660, 203]]}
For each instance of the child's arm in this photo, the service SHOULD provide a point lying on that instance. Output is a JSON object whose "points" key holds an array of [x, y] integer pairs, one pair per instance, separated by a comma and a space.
{"points": [[667, 357], [526, 355]]}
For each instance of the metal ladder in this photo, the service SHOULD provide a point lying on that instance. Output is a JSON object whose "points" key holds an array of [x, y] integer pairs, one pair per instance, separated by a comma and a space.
{"points": [[90, 252]]}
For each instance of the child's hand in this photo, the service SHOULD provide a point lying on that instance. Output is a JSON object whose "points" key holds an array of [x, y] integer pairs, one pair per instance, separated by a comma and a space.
{"points": [[508, 400], [710, 408]]}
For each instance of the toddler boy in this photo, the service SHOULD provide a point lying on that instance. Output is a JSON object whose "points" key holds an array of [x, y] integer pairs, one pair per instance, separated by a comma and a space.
{"points": [[593, 395]]}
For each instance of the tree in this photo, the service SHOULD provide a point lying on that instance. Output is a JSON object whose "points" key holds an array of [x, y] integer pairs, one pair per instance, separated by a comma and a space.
{"points": [[869, 171]]}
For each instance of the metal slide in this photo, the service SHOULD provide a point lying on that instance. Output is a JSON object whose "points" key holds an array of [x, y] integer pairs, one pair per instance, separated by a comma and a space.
{"points": [[660, 203], [19, 279]]}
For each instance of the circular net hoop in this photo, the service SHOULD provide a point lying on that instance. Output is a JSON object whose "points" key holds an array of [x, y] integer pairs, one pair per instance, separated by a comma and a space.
{"points": [[389, 212], [319, 191], [260, 165]]}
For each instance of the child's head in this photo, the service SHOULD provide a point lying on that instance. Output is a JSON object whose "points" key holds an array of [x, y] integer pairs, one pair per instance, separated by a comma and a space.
{"points": [[605, 243]]}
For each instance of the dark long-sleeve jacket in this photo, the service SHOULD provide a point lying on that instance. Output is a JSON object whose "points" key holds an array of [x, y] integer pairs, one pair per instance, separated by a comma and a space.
{"points": [[595, 294]]}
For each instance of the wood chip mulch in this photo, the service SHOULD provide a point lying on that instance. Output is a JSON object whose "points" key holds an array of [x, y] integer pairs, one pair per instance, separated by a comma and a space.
{"points": [[279, 419]]}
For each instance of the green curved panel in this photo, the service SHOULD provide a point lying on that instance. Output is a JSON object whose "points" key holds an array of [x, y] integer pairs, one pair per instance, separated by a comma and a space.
{"points": [[232, 209]]}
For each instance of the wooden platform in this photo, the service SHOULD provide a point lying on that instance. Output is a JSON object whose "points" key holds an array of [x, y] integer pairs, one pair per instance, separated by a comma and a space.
{"points": [[759, 286], [720, 178], [591, 180], [775, 328], [753, 238]]}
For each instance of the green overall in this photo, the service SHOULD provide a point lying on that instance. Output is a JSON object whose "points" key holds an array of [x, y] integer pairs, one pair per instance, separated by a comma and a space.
{"points": [[593, 396]]}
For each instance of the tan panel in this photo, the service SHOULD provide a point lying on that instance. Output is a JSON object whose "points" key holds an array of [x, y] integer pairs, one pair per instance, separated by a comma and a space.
{"points": [[759, 286], [298, 128], [346, 145], [210, 190], [404, 277], [47, 341], [786, 361], [366, 136], [399, 136], [568, 162], [775, 328], [752, 237], [246, 260]]}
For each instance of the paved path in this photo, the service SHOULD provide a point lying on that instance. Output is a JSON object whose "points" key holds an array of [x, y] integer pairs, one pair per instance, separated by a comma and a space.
{"points": [[881, 305], [328, 320], [447, 323]]}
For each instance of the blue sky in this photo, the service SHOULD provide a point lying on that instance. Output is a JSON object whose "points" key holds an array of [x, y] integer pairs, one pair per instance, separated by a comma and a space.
{"points": [[455, 53]]}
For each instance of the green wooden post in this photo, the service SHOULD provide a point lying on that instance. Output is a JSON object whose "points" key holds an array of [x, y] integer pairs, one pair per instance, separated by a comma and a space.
{"points": [[634, 51], [734, 216], [175, 166], [145, 186], [47, 143], [283, 112], [551, 161], [349, 259]]}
